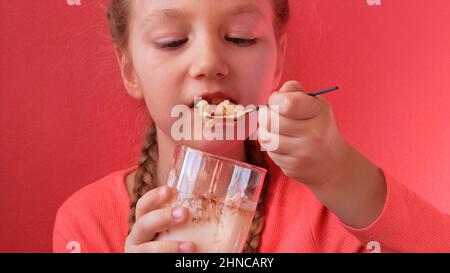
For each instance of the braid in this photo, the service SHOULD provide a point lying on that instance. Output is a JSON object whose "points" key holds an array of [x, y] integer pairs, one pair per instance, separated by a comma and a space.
{"points": [[145, 178], [255, 157]]}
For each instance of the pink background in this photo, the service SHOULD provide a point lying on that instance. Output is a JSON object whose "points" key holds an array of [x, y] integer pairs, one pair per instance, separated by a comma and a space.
{"points": [[66, 120]]}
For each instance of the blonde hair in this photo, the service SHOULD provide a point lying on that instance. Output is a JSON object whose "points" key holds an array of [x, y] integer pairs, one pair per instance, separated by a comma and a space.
{"points": [[145, 178]]}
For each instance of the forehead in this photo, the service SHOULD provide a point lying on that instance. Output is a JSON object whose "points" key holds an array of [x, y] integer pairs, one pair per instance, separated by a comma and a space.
{"points": [[147, 11]]}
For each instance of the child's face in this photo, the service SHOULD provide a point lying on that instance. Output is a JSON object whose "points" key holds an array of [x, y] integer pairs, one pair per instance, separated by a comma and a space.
{"points": [[181, 49]]}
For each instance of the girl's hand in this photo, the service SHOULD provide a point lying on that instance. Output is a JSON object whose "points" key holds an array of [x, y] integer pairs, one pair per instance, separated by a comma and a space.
{"points": [[310, 147], [312, 151], [151, 219]]}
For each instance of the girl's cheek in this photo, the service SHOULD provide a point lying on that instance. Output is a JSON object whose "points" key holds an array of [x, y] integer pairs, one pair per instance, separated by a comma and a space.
{"points": [[160, 113], [259, 75]]}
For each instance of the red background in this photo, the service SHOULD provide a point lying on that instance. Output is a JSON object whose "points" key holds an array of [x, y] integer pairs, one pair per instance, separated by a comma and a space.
{"points": [[66, 120]]}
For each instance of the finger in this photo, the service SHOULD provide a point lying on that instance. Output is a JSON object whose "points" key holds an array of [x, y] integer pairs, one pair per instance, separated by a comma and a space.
{"points": [[295, 105], [284, 161], [294, 128], [276, 142], [290, 166], [274, 123], [156, 221], [267, 140], [152, 200], [282, 144], [165, 247], [291, 86], [268, 119]]}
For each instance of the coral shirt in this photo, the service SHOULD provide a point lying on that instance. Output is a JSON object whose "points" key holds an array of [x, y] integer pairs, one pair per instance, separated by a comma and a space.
{"points": [[95, 219]]}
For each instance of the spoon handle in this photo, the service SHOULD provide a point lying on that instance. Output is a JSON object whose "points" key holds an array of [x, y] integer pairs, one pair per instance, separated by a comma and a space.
{"points": [[320, 92], [313, 94]]}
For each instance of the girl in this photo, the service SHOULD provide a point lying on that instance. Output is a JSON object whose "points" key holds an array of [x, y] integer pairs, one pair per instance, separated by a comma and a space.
{"points": [[320, 194]]}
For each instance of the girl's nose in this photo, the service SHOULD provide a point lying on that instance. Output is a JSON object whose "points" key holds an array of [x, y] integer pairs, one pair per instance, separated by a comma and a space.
{"points": [[209, 62]]}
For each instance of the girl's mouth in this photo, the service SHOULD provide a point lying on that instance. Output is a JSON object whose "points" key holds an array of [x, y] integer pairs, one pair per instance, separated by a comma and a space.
{"points": [[216, 108], [213, 98], [225, 109], [223, 117]]}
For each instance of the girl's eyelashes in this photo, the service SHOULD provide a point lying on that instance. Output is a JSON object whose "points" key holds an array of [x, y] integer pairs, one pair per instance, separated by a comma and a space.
{"points": [[241, 41], [174, 44]]}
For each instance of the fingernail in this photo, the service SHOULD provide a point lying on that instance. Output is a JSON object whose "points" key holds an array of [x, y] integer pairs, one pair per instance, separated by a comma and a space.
{"points": [[162, 191], [176, 213], [185, 247]]}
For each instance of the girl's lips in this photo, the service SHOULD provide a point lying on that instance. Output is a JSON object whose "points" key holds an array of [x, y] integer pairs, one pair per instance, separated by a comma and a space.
{"points": [[214, 98]]}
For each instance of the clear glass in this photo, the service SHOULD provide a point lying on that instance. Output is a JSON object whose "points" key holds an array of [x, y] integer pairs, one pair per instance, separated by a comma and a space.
{"points": [[221, 195]]}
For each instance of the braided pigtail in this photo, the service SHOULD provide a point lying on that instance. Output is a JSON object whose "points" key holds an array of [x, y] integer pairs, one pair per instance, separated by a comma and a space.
{"points": [[256, 157], [145, 178]]}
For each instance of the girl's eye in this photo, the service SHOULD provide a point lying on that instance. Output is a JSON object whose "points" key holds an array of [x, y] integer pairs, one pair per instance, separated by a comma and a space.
{"points": [[172, 44], [241, 41]]}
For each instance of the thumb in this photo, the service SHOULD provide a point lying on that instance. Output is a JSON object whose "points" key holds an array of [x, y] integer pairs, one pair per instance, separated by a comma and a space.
{"points": [[291, 86]]}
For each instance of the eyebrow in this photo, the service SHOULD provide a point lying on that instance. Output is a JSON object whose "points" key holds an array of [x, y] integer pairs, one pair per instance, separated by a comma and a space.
{"points": [[247, 9], [174, 13], [163, 13]]}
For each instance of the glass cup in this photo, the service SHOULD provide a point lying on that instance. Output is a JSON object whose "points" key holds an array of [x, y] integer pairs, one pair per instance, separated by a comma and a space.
{"points": [[221, 195]]}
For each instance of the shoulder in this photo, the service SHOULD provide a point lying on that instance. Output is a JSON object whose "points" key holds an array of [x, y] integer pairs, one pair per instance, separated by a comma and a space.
{"points": [[110, 190], [95, 216]]}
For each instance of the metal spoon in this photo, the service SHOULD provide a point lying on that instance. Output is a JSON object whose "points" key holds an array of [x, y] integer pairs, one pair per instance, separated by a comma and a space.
{"points": [[235, 117]]}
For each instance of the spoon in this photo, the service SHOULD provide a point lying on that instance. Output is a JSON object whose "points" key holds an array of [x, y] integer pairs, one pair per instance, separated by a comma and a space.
{"points": [[313, 94]]}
